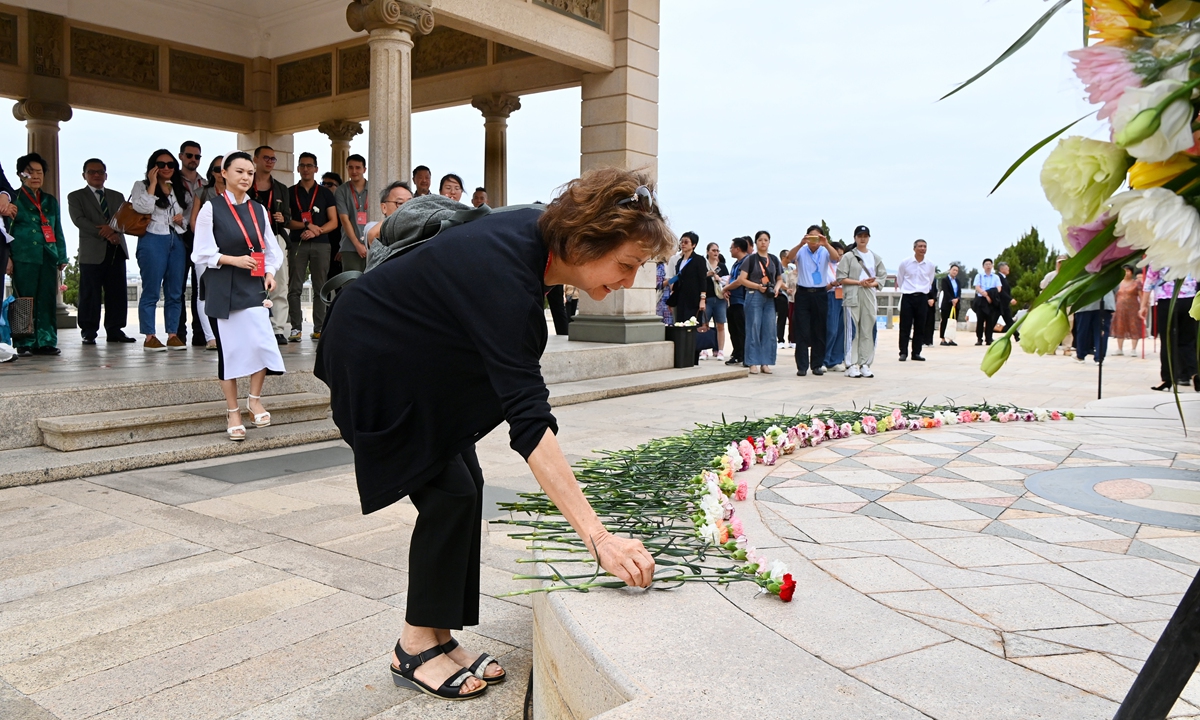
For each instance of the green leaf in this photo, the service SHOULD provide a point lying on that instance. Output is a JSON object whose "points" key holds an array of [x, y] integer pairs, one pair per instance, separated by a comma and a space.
{"points": [[1034, 149], [1107, 279], [1012, 49]]}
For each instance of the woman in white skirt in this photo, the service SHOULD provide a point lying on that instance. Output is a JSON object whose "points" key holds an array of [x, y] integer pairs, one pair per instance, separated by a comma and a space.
{"points": [[235, 245]]}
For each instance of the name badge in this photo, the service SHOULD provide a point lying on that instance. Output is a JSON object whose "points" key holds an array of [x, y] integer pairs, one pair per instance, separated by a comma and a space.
{"points": [[306, 217], [260, 264], [362, 217], [48, 233]]}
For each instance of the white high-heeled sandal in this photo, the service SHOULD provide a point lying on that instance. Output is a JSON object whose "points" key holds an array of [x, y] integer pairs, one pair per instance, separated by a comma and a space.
{"points": [[262, 419], [237, 433]]}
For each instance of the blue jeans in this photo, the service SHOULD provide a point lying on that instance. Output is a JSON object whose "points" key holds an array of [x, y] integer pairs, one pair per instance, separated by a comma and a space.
{"points": [[162, 260], [835, 333], [760, 329]]}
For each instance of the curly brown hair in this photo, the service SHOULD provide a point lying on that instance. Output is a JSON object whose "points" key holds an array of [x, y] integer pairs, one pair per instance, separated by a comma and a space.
{"points": [[585, 222]]}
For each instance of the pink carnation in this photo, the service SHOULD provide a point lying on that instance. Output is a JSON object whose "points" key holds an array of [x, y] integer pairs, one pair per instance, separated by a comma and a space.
{"points": [[736, 529], [770, 456], [743, 490], [1003, 417], [847, 430], [746, 450], [985, 416], [1055, 415], [965, 416], [897, 416], [937, 422], [914, 424], [1030, 417], [1082, 235], [759, 445], [1106, 72]]}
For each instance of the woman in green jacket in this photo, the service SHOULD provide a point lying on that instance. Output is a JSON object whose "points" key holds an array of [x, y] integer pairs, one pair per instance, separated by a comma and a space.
{"points": [[39, 252]]}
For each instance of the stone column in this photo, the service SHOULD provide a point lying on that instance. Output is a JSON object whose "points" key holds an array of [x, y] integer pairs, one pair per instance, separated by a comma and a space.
{"points": [[391, 24], [284, 146], [495, 108], [41, 120], [620, 129], [340, 133]]}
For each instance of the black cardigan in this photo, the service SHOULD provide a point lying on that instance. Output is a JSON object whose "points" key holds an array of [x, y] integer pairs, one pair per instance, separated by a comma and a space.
{"points": [[687, 289], [429, 352]]}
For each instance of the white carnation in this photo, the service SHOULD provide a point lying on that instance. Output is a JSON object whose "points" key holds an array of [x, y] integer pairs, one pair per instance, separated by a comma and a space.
{"points": [[1162, 224]]}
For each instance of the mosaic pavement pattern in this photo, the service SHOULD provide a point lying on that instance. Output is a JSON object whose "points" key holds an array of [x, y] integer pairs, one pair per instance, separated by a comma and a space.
{"points": [[940, 526]]}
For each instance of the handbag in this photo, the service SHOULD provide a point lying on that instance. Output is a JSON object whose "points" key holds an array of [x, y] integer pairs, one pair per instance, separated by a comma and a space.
{"points": [[129, 221], [951, 326], [20, 317]]}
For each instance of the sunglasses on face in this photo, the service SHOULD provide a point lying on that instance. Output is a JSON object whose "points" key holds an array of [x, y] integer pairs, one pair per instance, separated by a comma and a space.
{"points": [[329, 184], [192, 156], [643, 197], [161, 165]]}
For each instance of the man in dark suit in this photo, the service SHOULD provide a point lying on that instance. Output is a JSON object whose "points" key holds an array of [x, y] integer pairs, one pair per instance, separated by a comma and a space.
{"points": [[102, 256], [951, 295], [1005, 297]]}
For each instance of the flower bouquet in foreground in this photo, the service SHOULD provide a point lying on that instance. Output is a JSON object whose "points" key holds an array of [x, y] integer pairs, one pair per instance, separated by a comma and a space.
{"points": [[1143, 69], [680, 496]]}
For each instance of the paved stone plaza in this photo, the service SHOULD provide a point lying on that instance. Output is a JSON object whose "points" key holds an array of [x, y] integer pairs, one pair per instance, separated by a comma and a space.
{"points": [[934, 581]]}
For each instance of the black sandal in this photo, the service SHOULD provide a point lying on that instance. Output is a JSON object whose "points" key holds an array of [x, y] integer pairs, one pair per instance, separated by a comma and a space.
{"points": [[478, 667], [405, 675]]}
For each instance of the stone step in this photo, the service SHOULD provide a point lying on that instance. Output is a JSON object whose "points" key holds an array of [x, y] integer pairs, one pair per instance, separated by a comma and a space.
{"points": [[572, 393], [124, 427], [33, 465]]}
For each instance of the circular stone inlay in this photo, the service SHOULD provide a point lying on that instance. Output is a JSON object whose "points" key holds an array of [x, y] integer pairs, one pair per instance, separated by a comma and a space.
{"points": [[1157, 496], [1124, 489]]}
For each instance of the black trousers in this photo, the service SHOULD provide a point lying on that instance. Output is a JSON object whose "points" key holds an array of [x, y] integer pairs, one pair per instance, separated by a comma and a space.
{"points": [[103, 283], [985, 323], [782, 313], [443, 559], [1006, 314], [558, 310], [1181, 340], [808, 325], [913, 307], [189, 240], [736, 314], [930, 321]]}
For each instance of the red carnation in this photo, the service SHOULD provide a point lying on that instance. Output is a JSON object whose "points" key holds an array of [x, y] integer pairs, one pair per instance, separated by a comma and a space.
{"points": [[787, 588]]}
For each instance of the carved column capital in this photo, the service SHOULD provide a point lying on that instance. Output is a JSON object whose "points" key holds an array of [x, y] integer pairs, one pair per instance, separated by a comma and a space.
{"points": [[27, 109], [340, 130], [496, 105], [411, 16]]}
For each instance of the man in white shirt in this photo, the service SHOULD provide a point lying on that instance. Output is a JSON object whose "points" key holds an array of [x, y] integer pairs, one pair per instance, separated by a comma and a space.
{"points": [[914, 278], [811, 308], [860, 271]]}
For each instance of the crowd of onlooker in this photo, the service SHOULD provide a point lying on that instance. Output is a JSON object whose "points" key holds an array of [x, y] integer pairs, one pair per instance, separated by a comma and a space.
{"points": [[820, 298], [320, 224]]}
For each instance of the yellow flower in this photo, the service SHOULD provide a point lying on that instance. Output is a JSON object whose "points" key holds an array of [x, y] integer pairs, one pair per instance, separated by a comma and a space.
{"points": [[1118, 19], [1148, 175]]}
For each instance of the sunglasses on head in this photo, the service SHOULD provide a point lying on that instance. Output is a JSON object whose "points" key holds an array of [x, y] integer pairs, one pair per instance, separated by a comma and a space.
{"points": [[643, 197], [171, 164], [192, 156]]}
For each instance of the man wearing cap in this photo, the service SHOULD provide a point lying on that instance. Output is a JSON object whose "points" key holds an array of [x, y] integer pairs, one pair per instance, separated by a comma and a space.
{"points": [[811, 308], [914, 278], [860, 271]]}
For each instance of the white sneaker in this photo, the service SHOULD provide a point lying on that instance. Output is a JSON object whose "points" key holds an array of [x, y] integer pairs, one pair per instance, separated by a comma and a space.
{"points": [[853, 371], [837, 368], [780, 346], [721, 356], [866, 371], [703, 354], [1119, 352]]}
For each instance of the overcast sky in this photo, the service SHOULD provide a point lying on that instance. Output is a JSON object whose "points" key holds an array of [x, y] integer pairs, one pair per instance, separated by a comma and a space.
{"points": [[773, 115]]}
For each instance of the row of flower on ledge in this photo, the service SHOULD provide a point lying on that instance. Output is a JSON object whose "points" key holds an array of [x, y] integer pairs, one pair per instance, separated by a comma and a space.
{"points": [[716, 518]]}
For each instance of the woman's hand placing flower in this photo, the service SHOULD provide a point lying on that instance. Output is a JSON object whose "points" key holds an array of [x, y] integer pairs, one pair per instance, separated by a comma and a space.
{"points": [[625, 558]]}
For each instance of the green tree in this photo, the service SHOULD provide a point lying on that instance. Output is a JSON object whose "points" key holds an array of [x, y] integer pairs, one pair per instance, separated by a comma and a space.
{"points": [[71, 280], [1028, 261]]}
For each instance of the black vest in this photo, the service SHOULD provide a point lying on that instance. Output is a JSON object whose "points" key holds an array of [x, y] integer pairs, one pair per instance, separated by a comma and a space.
{"points": [[226, 288]]}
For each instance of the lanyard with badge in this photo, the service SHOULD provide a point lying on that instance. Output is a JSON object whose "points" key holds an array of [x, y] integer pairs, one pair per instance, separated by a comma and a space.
{"points": [[360, 215], [306, 217], [47, 229], [260, 259]]}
